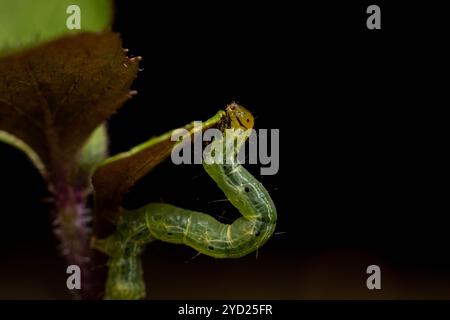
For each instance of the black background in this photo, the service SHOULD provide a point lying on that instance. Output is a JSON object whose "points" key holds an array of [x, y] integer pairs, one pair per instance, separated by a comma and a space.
{"points": [[361, 179]]}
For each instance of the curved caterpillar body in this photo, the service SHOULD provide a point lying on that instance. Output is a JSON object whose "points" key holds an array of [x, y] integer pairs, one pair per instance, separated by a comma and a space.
{"points": [[195, 229]]}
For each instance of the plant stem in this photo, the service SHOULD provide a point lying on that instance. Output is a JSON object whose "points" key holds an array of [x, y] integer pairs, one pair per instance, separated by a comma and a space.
{"points": [[72, 220]]}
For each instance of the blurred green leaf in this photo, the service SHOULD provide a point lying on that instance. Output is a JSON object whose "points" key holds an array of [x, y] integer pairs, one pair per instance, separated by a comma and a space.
{"points": [[8, 138], [93, 153], [24, 23]]}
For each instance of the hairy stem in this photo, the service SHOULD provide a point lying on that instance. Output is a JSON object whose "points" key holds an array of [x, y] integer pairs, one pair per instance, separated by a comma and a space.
{"points": [[72, 220]]}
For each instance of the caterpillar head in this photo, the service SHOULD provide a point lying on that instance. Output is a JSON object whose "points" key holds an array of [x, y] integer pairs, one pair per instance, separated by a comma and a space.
{"points": [[239, 117]]}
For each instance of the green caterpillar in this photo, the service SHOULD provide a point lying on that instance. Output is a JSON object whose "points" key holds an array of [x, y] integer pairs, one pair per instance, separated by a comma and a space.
{"points": [[200, 231]]}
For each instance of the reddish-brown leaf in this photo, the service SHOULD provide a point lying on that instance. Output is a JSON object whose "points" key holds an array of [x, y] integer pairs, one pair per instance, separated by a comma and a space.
{"points": [[53, 96]]}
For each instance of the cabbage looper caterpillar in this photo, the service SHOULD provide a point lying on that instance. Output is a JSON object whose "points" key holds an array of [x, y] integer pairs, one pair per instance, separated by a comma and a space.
{"points": [[200, 231]]}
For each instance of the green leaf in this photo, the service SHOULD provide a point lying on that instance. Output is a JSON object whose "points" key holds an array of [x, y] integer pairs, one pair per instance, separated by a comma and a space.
{"points": [[92, 154], [114, 178], [25, 23], [53, 96], [22, 146]]}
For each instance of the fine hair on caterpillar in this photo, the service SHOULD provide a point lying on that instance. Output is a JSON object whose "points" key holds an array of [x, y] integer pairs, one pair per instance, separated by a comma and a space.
{"points": [[202, 232]]}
